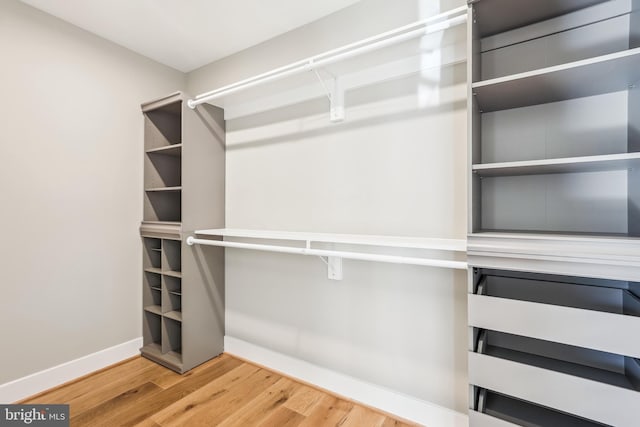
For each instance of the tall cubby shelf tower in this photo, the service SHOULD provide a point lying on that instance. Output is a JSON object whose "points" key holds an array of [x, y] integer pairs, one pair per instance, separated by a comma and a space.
{"points": [[554, 218], [183, 286]]}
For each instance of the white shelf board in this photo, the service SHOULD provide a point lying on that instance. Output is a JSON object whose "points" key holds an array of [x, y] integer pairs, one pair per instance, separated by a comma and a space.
{"points": [[496, 16], [458, 245], [603, 74], [606, 162]]}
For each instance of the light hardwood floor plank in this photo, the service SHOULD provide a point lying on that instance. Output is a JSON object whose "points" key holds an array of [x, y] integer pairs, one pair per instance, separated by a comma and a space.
{"points": [[78, 388], [103, 414], [217, 400], [259, 408], [158, 402], [225, 392], [330, 411], [304, 400], [360, 416], [282, 417]]}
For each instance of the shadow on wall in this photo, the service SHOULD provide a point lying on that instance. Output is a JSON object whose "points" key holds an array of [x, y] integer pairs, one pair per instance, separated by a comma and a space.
{"points": [[386, 102]]}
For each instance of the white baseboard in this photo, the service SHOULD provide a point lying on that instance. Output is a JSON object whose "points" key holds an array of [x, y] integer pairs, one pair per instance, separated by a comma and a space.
{"points": [[48, 378], [407, 407]]}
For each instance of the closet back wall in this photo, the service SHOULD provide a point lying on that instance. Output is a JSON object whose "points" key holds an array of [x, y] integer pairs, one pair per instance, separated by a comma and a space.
{"points": [[395, 166], [71, 189]]}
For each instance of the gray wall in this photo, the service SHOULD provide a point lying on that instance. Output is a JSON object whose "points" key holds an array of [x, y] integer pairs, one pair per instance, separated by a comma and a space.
{"points": [[71, 180], [396, 166]]}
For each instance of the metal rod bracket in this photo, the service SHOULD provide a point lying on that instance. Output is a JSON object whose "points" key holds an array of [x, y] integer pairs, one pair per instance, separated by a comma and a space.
{"points": [[336, 113], [334, 268]]}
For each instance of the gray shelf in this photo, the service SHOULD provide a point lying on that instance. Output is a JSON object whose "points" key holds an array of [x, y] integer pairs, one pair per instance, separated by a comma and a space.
{"points": [[497, 16], [153, 270], [172, 273], [607, 73], [163, 189], [175, 315], [607, 162], [588, 372], [155, 309], [170, 150], [524, 413]]}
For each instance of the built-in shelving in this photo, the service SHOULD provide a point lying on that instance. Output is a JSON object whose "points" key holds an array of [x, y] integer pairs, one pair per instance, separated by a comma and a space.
{"points": [[183, 150], [607, 73], [553, 112], [554, 234]]}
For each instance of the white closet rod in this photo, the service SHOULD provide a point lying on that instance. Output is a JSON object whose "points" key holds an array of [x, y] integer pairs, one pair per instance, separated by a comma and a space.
{"points": [[460, 265], [407, 32]]}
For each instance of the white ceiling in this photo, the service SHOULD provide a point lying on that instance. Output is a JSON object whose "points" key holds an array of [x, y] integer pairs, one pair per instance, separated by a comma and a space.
{"points": [[187, 34]]}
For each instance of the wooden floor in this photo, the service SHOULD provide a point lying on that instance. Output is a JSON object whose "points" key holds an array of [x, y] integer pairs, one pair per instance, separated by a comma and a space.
{"points": [[223, 392]]}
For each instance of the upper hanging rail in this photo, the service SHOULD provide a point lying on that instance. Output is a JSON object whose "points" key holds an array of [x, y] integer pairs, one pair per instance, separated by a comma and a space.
{"points": [[430, 25]]}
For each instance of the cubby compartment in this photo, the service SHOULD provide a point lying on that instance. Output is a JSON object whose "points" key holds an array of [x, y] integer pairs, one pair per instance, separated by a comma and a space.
{"points": [[163, 126], [560, 309], [172, 298], [152, 293], [171, 257], [152, 253], [493, 409], [172, 340], [152, 329], [555, 118]]}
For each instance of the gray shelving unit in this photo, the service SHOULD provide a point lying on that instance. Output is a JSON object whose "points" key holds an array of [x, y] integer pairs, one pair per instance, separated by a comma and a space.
{"points": [[554, 114], [554, 218], [183, 286]]}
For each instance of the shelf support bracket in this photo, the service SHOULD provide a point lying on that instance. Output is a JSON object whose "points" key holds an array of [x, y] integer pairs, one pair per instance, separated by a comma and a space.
{"points": [[334, 268], [335, 95], [337, 102]]}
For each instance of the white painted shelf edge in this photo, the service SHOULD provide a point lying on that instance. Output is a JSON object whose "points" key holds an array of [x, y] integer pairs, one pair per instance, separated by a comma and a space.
{"points": [[560, 165], [455, 245]]}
